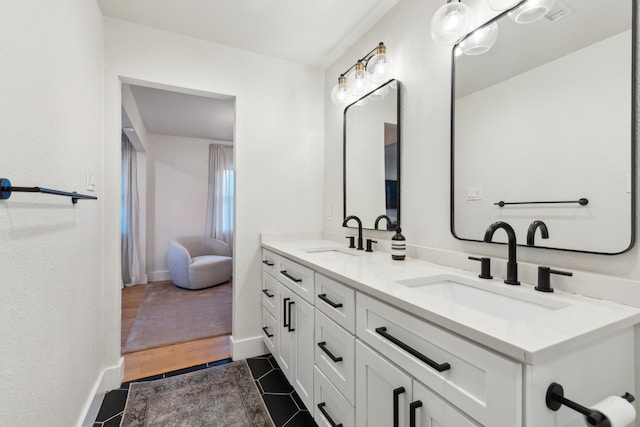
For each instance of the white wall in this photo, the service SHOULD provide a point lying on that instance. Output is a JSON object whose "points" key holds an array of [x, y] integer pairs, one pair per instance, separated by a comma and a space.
{"points": [[177, 188], [51, 57], [278, 144]]}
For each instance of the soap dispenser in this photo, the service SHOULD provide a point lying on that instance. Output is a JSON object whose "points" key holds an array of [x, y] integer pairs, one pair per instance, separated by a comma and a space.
{"points": [[398, 245]]}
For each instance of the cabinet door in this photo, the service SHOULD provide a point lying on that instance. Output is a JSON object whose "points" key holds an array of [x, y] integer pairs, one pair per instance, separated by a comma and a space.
{"points": [[380, 386], [285, 342], [270, 294], [269, 330], [302, 322], [428, 410]]}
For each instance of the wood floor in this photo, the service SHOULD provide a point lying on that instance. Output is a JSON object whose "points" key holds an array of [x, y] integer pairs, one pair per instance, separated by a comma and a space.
{"points": [[158, 360]]}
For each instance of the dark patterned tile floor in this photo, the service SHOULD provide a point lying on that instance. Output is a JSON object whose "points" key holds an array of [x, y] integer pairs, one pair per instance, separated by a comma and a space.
{"points": [[282, 402]]}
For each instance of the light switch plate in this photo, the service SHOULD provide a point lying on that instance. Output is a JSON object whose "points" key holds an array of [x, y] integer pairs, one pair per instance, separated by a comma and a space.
{"points": [[474, 193], [91, 179]]}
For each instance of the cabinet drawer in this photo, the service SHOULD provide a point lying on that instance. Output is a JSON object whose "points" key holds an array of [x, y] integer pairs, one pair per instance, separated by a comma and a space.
{"points": [[335, 355], [296, 277], [269, 330], [329, 403], [270, 262], [270, 294], [337, 301], [486, 386]]}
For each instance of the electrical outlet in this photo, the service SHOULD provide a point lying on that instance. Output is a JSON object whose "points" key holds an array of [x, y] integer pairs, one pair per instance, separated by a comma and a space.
{"points": [[329, 214], [474, 193]]}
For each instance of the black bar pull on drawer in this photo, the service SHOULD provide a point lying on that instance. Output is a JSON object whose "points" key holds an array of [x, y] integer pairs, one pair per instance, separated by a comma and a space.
{"points": [[266, 292], [267, 332], [324, 298], [396, 405], [284, 313], [324, 412], [290, 329], [323, 347], [268, 263], [288, 276], [413, 406], [440, 367]]}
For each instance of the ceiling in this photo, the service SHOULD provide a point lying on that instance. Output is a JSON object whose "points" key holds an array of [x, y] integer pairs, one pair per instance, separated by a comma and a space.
{"points": [[313, 32], [178, 114]]}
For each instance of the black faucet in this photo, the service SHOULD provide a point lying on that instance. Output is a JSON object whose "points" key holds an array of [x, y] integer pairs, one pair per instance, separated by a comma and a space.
{"points": [[344, 224], [512, 265], [544, 231], [383, 217]]}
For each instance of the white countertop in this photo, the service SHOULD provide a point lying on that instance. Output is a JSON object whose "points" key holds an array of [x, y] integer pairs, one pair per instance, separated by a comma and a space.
{"points": [[572, 321]]}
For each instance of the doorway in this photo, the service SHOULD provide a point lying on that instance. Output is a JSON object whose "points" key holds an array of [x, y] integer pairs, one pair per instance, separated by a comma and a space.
{"points": [[174, 137]]}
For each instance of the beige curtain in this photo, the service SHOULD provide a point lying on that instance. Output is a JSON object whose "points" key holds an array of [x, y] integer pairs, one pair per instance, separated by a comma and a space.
{"points": [[220, 202]]}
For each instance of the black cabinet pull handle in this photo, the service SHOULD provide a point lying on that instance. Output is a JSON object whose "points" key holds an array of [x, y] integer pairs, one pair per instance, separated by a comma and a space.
{"points": [[288, 276], [323, 347], [440, 367], [324, 298], [267, 332], [396, 406], [324, 412], [266, 292], [413, 406], [289, 310], [269, 263], [284, 312]]}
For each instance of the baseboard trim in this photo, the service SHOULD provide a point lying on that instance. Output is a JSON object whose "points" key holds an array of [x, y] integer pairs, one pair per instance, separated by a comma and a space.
{"points": [[248, 347], [159, 276], [109, 379]]}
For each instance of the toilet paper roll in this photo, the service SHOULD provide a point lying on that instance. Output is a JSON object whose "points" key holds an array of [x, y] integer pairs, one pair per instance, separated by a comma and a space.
{"points": [[618, 411]]}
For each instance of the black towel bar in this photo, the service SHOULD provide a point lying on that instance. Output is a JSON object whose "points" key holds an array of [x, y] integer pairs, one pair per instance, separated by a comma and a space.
{"points": [[6, 189], [582, 202]]}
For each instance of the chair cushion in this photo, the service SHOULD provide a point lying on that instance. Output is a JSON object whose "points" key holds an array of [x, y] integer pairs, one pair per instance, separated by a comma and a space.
{"points": [[209, 270]]}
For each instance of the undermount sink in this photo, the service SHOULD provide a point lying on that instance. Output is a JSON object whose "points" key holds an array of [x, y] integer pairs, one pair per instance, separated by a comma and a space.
{"points": [[331, 253], [503, 303]]}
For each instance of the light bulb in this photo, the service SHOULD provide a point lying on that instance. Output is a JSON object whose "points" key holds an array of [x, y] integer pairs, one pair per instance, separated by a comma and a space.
{"points": [[481, 40], [378, 66], [531, 11], [339, 95], [500, 5], [358, 83], [451, 23]]}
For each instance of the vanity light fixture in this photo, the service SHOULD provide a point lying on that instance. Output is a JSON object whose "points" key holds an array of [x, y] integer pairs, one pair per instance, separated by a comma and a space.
{"points": [[531, 11], [368, 72], [480, 41], [451, 23]]}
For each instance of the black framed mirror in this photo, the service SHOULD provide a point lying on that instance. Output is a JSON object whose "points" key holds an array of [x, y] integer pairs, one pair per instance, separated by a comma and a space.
{"points": [[371, 157], [543, 129]]}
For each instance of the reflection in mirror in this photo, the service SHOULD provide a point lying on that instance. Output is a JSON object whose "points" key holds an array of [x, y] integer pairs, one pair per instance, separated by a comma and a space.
{"points": [[372, 157], [546, 116]]}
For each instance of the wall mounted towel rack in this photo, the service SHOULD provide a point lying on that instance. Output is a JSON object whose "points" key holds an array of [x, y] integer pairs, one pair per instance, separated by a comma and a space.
{"points": [[582, 202], [6, 189]]}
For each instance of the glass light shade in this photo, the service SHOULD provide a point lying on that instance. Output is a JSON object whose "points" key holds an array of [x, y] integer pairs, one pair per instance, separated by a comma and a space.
{"points": [[531, 11], [481, 40], [379, 68], [500, 5], [358, 81], [451, 23], [339, 94]]}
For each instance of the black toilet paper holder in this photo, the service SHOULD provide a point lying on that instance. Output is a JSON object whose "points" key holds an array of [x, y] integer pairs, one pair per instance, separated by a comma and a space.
{"points": [[555, 399]]}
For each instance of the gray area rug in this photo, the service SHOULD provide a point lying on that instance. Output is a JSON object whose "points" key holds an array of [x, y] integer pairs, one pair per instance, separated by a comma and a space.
{"points": [[171, 315], [224, 395]]}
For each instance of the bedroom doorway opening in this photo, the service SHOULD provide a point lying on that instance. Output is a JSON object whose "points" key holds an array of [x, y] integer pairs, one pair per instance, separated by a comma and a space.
{"points": [[177, 227]]}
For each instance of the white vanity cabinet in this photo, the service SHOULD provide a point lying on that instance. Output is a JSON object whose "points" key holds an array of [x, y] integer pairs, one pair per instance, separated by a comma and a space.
{"points": [[485, 386], [288, 321], [360, 360]]}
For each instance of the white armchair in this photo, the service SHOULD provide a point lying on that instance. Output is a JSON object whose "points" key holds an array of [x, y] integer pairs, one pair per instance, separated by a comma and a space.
{"points": [[199, 262]]}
